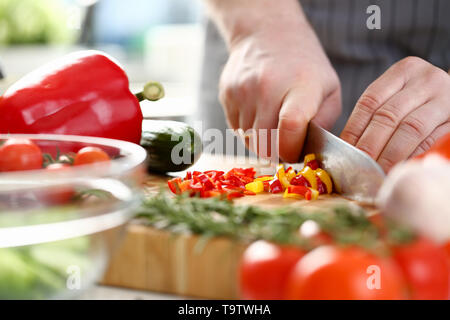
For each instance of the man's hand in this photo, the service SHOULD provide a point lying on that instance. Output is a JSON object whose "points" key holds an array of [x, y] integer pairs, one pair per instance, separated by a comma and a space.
{"points": [[402, 113], [277, 74]]}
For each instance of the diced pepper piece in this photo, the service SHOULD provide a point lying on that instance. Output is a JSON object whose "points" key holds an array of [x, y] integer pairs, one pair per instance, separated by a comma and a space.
{"points": [[255, 186], [321, 187], [300, 180], [266, 185], [275, 186], [234, 194], [326, 179], [314, 194], [287, 194], [282, 176], [301, 190], [185, 185], [308, 158], [264, 178], [313, 164], [308, 195], [309, 175], [290, 174], [174, 185]]}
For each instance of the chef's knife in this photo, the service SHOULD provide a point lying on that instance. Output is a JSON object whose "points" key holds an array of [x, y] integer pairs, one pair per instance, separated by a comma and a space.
{"points": [[355, 175]]}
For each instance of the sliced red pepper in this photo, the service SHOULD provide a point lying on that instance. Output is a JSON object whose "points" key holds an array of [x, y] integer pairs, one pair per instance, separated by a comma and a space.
{"points": [[308, 195], [300, 181], [301, 190], [321, 187], [234, 194], [188, 175], [196, 186], [206, 182], [266, 186], [275, 186], [313, 164], [249, 193], [174, 185]]}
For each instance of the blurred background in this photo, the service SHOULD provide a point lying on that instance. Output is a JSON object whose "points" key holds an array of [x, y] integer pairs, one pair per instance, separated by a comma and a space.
{"points": [[153, 40]]}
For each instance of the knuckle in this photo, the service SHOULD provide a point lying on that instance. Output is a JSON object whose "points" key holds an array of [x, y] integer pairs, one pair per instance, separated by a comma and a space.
{"points": [[368, 102], [225, 95], [386, 117], [414, 127], [410, 62], [290, 121], [348, 134], [438, 76], [427, 143]]}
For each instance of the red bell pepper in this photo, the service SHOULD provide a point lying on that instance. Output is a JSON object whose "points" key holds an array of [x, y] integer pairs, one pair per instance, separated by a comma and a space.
{"points": [[300, 181], [275, 186], [83, 93]]}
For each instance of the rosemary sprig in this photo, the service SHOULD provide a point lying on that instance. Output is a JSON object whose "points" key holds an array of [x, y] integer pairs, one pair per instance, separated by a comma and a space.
{"points": [[216, 217]]}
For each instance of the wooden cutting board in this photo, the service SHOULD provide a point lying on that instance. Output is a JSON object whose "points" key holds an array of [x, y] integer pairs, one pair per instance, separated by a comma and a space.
{"points": [[157, 260]]}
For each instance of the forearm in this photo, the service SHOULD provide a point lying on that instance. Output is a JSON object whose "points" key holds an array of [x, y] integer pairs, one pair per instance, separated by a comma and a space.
{"points": [[237, 19]]}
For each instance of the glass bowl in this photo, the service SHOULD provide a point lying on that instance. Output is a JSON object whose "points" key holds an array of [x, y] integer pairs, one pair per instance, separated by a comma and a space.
{"points": [[58, 227]]}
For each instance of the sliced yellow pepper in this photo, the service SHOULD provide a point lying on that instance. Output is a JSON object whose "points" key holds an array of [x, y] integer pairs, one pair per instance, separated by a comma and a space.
{"points": [[290, 174], [282, 176], [255, 186], [264, 178], [314, 194], [323, 175], [287, 194], [309, 175], [309, 157]]}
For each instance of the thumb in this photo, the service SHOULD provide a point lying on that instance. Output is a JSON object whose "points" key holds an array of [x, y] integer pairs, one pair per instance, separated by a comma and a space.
{"points": [[299, 106]]}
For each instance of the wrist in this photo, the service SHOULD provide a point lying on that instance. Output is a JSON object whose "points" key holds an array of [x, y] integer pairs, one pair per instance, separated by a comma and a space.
{"points": [[238, 20]]}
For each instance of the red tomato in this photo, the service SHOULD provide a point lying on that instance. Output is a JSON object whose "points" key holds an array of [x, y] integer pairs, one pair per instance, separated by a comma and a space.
{"points": [[330, 273], [447, 250], [20, 154], [61, 194], [265, 268], [58, 166], [89, 155], [425, 267]]}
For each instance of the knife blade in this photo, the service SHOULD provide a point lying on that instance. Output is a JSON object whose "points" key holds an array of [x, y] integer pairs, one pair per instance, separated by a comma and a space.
{"points": [[355, 174]]}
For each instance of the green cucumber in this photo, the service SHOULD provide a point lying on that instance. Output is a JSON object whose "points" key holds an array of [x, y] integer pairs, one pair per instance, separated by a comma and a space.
{"points": [[171, 145]]}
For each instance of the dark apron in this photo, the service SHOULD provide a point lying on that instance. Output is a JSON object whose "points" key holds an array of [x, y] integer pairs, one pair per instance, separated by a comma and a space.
{"points": [[408, 27]]}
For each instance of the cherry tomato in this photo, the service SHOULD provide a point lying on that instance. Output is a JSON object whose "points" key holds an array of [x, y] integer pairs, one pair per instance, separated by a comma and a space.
{"points": [[425, 267], [352, 273], [57, 166], [264, 270], [20, 154], [447, 250], [89, 155], [59, 195]]}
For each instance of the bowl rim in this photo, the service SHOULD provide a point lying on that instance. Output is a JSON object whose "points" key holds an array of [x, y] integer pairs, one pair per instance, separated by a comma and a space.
{"points": [[134, 156]]}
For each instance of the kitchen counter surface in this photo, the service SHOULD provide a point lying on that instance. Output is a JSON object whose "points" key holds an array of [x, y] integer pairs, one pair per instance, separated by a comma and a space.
{"points": [[100, 292]]}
